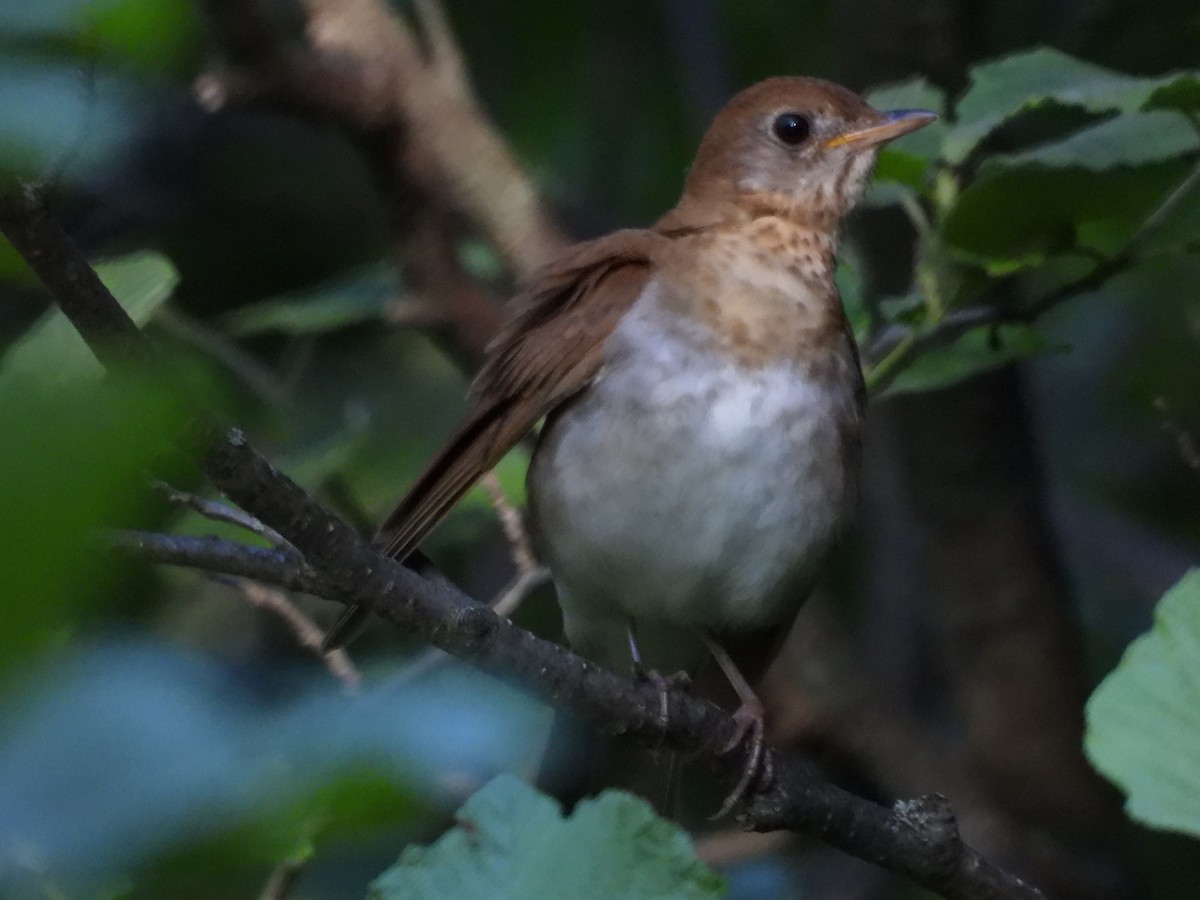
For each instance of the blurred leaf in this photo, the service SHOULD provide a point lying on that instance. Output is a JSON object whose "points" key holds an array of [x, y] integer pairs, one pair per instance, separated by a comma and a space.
{"points": [[980, 349], [132, 750], [52, 353], [53, 116], [1144, 720], [481, 260], [73, 463], [363, 296], [76, 448], [513, 842], [154, 35], [12, 265], [1127, 140], [1015, 84]]}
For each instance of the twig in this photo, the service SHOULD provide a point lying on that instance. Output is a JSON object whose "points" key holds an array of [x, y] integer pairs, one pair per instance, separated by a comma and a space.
{"points": [[308, 634], [223, 512], [284, 876], [211, 554], [512, 596], [513, 524]]}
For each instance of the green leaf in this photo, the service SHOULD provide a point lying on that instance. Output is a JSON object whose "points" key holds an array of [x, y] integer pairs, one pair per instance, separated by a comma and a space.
{"points": [[1014, 213], [1127, 140], [151, 35], [513, 842], [52, 353], [980, 349], [1006, 88], [74, 462], [1143, 722], [363, 296]]}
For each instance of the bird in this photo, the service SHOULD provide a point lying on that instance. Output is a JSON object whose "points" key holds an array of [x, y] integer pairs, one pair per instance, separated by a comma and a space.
{"points": [[701, 396]]}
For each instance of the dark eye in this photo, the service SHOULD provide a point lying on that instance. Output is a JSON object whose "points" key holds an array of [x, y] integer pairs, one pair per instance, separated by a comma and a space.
{"points": [[792, 128]]}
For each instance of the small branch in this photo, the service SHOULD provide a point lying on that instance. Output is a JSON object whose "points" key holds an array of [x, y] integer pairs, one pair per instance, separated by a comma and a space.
{"points": [[284, 877], [509, 599], [308, 633], [367, 68], [222, 512], [513, 524], [283, 568]]}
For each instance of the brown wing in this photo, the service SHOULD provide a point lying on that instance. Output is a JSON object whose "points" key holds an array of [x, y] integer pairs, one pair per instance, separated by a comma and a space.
{"points": [[550, 350]]}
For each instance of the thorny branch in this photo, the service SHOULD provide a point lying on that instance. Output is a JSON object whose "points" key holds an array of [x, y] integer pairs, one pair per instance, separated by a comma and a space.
{"points": [[919, 839]]}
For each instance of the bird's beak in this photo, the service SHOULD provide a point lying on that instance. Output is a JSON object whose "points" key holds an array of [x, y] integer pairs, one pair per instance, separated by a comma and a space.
{"points": [[895, 124]]}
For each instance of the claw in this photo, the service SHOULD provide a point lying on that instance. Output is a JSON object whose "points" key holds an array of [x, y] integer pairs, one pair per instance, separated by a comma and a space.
{"points": [[758, 766]]}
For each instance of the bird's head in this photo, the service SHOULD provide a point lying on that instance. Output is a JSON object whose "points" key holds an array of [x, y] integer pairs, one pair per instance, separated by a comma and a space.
{"points": [[802, 143]]}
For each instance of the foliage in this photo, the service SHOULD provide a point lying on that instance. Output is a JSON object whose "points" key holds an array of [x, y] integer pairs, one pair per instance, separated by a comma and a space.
{"points": [[611, 846], [181, 750], [1045, 164], [1144, 719]]}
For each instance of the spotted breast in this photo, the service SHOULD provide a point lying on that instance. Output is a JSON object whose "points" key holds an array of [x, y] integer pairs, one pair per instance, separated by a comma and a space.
{"points": [[700, 480]]}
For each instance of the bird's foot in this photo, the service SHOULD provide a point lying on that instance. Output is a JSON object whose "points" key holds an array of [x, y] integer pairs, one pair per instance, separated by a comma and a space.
{"points": [[758, 766]]}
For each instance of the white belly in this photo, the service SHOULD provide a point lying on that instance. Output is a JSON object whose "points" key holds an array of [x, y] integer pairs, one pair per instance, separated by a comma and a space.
{"points": [[682, 490]]}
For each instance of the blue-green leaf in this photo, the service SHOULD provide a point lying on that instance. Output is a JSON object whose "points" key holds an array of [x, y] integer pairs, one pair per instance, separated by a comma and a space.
{"points": [[513, 843], [129, 750], [1143, 722]]}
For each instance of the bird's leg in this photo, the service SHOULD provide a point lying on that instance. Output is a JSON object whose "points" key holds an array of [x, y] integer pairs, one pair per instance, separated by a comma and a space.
{"points": [[663, 683], [749, 718]]}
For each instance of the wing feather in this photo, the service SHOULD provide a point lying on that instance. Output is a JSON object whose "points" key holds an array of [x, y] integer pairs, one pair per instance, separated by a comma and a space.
{"points": [[551, 349]]}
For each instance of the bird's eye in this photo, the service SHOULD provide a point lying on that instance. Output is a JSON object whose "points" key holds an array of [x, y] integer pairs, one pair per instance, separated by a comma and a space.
{"points": [[792, 128]]}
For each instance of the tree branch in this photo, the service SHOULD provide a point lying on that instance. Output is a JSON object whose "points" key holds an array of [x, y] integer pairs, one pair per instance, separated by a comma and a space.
{"points": [[403, 90], [918, 839]]}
